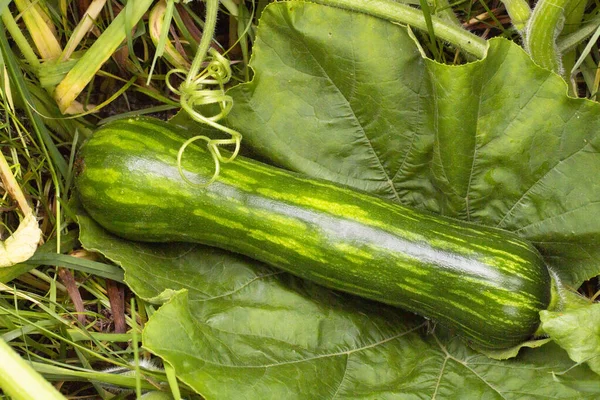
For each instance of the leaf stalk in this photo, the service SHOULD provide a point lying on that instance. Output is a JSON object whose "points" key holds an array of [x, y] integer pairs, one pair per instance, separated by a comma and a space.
{"points": [[403, 14]]}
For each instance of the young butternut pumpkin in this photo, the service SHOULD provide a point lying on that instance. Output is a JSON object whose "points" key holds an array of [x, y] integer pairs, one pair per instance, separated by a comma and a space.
{"points": [[486, 283]]}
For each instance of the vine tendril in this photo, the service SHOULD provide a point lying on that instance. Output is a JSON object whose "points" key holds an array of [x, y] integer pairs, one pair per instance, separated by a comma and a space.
{"points": [[193, 94]]}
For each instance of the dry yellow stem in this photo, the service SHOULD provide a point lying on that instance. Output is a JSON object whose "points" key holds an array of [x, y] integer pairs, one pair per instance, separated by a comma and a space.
{"points": [[12, 187], [24, 241], [6, 89], [84, 26], [101, 50], [42, 35], [22, 244], [155, 23]]}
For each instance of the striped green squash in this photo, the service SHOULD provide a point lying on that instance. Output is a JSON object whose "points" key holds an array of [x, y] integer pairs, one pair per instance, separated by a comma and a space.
{"points": [[487, 284]]}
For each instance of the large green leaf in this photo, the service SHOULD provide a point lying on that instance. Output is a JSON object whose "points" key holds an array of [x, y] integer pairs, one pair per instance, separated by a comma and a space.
{"points": [[241, 330], [576, 328], [349, 98]]}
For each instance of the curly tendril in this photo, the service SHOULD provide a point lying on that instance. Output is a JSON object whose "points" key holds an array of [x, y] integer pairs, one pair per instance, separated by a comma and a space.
{"points": [[193, 94]]}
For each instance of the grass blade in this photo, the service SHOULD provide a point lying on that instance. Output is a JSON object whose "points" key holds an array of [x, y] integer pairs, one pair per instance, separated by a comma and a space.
{"points": [[80, 264], [20, 381], [16, 76], [87, 66]]}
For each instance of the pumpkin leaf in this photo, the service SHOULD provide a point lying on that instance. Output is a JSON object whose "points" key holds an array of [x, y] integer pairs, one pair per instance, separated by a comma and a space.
{"points": [[234, 328], [576, 328], [498, 142]]}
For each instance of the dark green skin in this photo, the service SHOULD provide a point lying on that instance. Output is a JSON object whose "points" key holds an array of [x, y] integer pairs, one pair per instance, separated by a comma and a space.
{"points": [[486, 283]]}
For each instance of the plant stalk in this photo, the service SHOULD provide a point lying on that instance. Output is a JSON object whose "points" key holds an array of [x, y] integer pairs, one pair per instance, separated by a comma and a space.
{"points": [[544, 26], [395, 12], [210, 23], [20, 381], [12, 187], [519, 12]]}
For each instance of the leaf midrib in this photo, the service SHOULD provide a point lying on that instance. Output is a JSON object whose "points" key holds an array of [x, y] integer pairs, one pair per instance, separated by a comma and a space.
{"points": [[291, 362], [387, 177]]}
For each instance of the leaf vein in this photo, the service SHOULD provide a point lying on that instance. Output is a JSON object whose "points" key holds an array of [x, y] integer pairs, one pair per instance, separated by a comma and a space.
{"points": [[245, 284], [536, 223], [316, 357], [514, 206], [360, 126], [343, 378]]}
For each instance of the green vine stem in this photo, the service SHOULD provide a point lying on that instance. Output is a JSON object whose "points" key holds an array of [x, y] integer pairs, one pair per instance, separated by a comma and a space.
{"points": [[542, 30], [210, 23], [400, 13], [519, 12]]}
